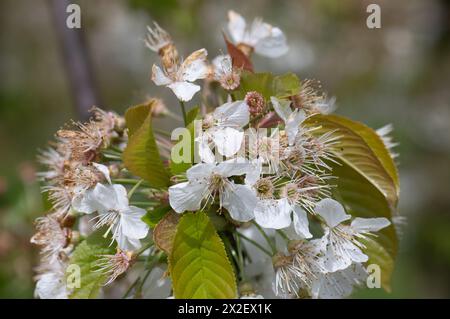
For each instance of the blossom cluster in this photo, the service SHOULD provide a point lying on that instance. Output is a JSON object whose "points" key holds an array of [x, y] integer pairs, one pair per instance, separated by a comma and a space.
{"points": [[281, 186]]}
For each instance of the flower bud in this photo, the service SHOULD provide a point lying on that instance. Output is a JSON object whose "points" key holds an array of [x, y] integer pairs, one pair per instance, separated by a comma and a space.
{"points": [[255, 102]]}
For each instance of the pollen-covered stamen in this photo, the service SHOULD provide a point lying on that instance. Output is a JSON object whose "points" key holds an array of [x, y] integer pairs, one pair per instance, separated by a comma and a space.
{"points": [[306, 259], [84, 143], [230, 81], [306, 191], [255, 102], [294, 158], [342, 233], [82, 176], [216, 183], [286, 275], [169, 58], [114, 265], [267, 148], [322, 149], [264, 188], [208, 122], [51, 236], [55, 162], [157, 38], [291, 192], [308, 96], [109, 219], [60, 197]]}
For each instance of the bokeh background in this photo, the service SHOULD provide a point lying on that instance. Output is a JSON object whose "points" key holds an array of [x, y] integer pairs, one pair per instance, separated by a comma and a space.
{"points": [[398, 74]]}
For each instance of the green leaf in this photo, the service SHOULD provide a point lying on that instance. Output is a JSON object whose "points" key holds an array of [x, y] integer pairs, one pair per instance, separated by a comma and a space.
{"points": [[286, 85], [268, 85], [153, 216], [199, 265], [141, 156], [179, 168], [85, 256], [136, 115], [192, 114], [366, 183], [362, 199], [361, 148], [378, 255]]}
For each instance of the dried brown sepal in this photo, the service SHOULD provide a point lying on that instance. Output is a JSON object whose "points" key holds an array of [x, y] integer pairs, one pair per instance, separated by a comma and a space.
{"points": [[238, 58], [164, 232]]}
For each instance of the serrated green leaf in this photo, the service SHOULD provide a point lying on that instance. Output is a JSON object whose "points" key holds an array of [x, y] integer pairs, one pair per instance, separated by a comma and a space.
{"points": [[268, 85], [85, 256], [141, 156], [199, 265], [366, 183]]}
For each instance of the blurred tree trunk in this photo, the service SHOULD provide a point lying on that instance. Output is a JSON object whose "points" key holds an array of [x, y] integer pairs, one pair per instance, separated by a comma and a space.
{"points": [[76, 60]]}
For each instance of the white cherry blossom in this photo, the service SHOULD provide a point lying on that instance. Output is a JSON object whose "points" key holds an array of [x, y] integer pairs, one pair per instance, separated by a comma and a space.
{"points": [[292, 119], [223, 129], [261, 37], [205, 181], [180, 79], [111, 204], [339, 284], [342, 242], [51, 284]]}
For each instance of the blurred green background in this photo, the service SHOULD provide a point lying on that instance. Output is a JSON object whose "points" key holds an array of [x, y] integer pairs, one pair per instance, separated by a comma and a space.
{"points": [[398, 74]]}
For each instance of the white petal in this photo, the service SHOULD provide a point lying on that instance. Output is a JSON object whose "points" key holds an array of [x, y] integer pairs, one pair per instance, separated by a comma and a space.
{"points": [[292, 124], [274, 214], [331, 211], [232, 114], [335, 261], [365, 225], [240, 202], [204, 149], [195, 67], [51, 285], [282, 108], [82, 203], [159, 77], [254, 173], [184, 90], [131, 223], [222, 65], [121, 197], [259, 31], [233, 167], [333, 285], [236, 26], [104, 170], [342, 253], [127, 243], [272, 46], [301, 224], [228, 141], [200, 171], [186, 196], [101, 199]]}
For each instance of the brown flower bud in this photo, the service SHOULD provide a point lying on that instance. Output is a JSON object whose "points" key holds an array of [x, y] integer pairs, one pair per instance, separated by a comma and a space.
{"points": [[255, 102]]}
